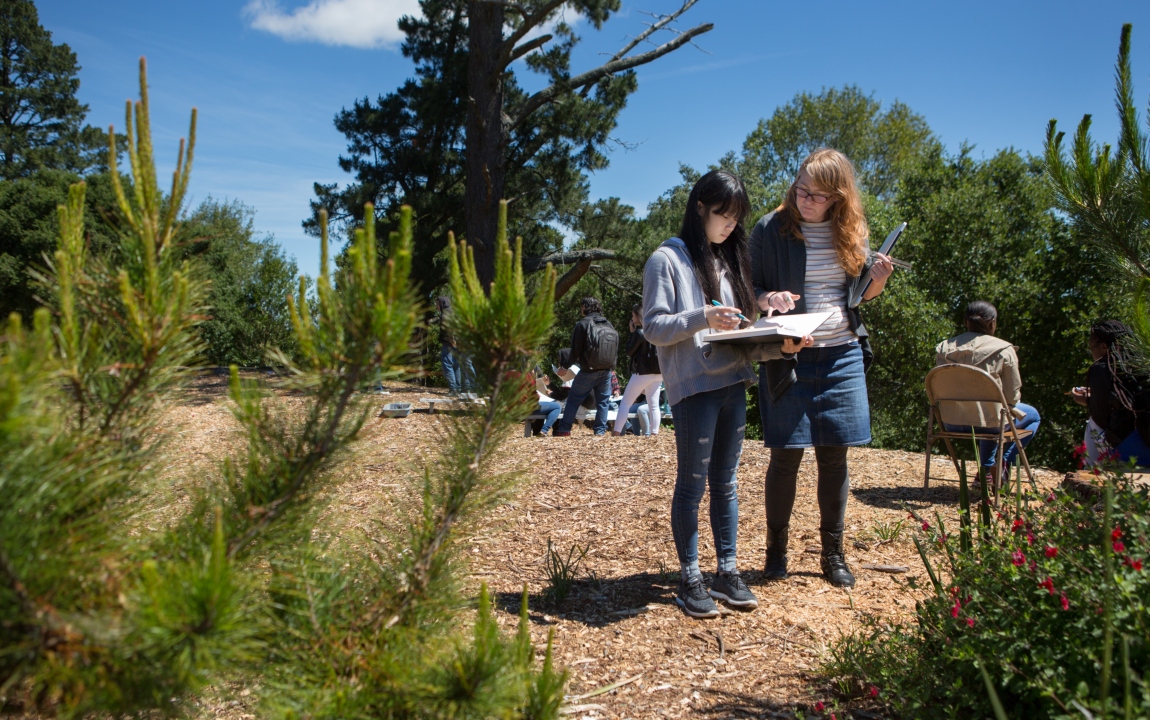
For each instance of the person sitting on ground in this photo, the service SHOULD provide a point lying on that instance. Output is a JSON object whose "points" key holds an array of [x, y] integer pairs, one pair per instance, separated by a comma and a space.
{"points": [[594, 346], [980, 348], [1118, 399], [548, 405], [645, 376]]}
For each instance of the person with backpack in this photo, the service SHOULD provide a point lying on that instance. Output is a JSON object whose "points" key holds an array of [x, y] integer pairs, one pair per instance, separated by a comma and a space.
{"points": [[645, 376], [594, 347], [706, 383]]}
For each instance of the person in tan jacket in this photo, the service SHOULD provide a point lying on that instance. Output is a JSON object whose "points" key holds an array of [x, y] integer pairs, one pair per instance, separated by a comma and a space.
{"points": [[979, 347]]}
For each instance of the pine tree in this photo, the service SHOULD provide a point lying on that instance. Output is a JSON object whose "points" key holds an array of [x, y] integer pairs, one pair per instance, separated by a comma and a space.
{"points": [[98, 614], [41, 121], [464, 133], [1106, 191]]}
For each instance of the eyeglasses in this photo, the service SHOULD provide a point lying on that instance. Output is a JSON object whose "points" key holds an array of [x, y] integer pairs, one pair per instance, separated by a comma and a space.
{"points": [[804, 193]]}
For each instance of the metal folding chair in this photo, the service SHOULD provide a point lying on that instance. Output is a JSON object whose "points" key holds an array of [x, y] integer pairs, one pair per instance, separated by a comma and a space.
{"points": [[968, 396]]}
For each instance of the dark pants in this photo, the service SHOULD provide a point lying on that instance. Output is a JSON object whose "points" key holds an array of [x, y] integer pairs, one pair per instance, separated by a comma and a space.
{"points": [[833, 487], [709, 428], [586, 383]]}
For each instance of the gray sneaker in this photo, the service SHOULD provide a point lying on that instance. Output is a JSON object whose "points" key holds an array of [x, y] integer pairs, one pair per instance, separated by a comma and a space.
{"points": [[730, 588], [694, 600]]}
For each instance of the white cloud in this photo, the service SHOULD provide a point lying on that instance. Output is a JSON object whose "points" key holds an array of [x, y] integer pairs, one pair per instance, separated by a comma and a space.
{"points": [[354, 23]]}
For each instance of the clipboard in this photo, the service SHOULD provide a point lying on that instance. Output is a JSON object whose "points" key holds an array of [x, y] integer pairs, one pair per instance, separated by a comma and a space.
{"points": [[865, 280]]}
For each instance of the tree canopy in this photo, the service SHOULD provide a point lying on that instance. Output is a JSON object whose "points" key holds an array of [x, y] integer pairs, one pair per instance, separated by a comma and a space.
{"points": [[41, 121], [425, 145]]}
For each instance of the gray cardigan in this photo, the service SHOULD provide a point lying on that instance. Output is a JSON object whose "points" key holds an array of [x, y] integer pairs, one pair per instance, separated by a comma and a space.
{"points": [[779, 263], [674, 322]]}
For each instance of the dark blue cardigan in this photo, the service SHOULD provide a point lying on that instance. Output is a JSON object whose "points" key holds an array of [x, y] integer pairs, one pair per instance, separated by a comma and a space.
{"points": [[779, 263]]}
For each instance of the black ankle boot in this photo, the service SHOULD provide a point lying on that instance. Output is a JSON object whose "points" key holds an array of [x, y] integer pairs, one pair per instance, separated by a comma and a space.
{"points": [[834, 564], [776, 554]]}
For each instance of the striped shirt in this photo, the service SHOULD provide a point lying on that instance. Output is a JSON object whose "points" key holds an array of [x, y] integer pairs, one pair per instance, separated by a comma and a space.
{"points": [[826, 286]]}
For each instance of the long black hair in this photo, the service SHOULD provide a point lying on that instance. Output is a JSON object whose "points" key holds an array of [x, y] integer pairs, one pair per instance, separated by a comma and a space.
{"points": [[1114, 335], [722, 193]]}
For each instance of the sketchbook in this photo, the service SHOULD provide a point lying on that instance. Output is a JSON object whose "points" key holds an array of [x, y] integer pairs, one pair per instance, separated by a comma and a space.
{"points": [[771, 330]]}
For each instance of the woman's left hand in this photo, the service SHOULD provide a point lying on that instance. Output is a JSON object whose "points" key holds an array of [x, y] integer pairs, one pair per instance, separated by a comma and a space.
{"points": [[879, 272], [793, 345], [882, 267]]}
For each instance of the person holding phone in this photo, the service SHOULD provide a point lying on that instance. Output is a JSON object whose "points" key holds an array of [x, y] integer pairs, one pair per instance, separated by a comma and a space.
{"points": [[808, 256], [706, 383]]}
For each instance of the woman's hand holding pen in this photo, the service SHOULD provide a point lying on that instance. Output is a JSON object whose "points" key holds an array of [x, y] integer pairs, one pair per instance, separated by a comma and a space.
{"points": [[722, 317], [777, 302]]}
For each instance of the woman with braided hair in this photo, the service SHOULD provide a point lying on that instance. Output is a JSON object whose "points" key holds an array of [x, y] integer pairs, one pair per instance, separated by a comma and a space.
{"points": [[1118, 398]]}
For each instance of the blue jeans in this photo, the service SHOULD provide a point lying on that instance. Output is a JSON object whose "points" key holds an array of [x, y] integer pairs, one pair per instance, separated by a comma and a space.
{"points": [[457, 368], [709, 429], [551, 409], [987, 449], [585, 383]]}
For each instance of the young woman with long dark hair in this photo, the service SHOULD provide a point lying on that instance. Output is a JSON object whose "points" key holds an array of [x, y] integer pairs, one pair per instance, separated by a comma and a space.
{"points": [[809, 256], [705, 383]]}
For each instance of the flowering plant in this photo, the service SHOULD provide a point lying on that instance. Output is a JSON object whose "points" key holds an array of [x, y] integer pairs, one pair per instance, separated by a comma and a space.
{"points": [[1042, 610]]}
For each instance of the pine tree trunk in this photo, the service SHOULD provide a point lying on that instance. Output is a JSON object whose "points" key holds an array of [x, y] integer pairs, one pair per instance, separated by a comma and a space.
{"points": [[485, 140]]}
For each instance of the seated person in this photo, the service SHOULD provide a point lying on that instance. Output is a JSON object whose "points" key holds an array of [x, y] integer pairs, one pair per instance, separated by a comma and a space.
{"points": [[547, 405], [1115, 395], [978, 347]]}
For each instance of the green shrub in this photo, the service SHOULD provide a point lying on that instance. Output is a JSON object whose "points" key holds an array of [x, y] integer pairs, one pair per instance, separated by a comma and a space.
{"points": [[1050, 597]]}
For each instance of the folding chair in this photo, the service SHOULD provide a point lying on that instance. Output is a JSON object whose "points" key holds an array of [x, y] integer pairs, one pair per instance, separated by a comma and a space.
{"points": [[968, 396]]}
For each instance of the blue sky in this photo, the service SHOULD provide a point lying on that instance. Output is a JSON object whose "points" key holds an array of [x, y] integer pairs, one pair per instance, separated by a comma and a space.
{"points": [[268, 77]]}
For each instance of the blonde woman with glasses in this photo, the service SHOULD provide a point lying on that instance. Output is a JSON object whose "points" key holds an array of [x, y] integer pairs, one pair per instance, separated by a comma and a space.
{"points": [[809, 256]]}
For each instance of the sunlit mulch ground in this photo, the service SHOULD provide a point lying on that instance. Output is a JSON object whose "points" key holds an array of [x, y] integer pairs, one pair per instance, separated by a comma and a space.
{"points": [[612, 495]]}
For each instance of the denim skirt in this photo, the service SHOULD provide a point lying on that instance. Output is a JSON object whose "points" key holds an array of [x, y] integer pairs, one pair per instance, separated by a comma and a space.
{"points": [[827, 405]]}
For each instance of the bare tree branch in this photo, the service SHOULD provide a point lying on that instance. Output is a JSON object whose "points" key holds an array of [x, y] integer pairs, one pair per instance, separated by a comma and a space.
{"points": [[529, 23], [591, 76], [535, 264], [655, 27], [572, 276], [528, 47]]}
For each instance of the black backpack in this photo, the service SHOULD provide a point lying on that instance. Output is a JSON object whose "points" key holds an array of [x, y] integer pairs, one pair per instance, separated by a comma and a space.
{"points": [[602, 345]]}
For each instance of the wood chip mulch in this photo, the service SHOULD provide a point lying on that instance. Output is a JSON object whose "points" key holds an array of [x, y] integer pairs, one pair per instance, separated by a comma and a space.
{"points": [[619, 625]]}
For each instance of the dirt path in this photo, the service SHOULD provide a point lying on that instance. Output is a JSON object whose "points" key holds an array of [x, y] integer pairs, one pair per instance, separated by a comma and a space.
{"points": [[612, 495]]}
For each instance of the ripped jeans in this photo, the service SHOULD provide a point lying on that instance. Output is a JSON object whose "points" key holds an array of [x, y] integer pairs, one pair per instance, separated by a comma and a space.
{"points": [[709, 429]]}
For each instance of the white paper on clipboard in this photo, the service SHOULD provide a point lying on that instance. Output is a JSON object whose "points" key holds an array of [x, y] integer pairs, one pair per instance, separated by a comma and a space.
{"points": [[887, 247]]}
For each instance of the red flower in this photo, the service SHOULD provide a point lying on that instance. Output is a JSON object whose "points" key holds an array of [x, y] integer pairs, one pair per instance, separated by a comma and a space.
{"points": [[1065, 602], [819, 707], [999, 515], [1018, 558], [925, 526], [1051, 551], [954, 610], [1080, 449], [1016, 525], [1132, 563], [970, 622], [1033, 565], [910, 516], [1048, 584], [1119, 546], [1029, 538], [1050, 497], [873, 691], [1097, 471], [1117, 534], [955, 590]]}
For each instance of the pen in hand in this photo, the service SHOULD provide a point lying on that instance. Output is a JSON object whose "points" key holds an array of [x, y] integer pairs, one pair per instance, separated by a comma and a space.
{"points": [[716, 303]]}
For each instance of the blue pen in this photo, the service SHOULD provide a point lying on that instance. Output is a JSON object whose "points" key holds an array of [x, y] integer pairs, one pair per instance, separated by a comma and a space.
{"points": [[716, 303]]}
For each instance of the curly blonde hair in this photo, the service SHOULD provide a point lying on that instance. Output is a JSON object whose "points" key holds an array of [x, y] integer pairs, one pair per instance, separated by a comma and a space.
{"points": [[832, 173]]}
